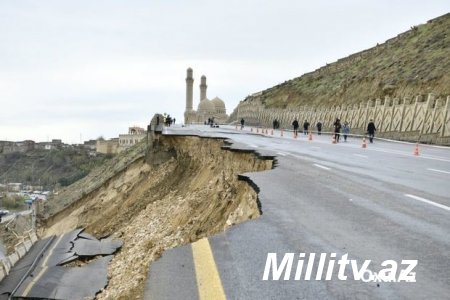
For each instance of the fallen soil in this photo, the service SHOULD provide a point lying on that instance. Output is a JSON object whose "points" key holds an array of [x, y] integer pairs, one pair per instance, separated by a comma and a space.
{"points": [[193, 192], [12, 233]]}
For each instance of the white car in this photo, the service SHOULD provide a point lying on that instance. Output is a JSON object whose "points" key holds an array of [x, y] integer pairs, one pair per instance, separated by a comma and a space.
{"points": [[3, 212]]}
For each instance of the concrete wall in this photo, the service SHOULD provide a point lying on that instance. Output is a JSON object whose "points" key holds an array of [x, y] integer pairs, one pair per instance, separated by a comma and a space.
{"points": [[9, 147], [6, 263], [107, 147], [128, 140], [423, 118]]}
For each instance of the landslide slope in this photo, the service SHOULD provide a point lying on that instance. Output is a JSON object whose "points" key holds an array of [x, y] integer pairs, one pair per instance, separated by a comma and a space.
{"points": [[186, 190], [415, 62]]}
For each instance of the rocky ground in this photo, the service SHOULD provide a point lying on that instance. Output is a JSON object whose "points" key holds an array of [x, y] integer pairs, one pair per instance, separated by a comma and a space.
{"points": [[193, 194]]}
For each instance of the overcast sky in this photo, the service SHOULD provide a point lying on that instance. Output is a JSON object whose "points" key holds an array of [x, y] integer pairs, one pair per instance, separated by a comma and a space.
{"points": [[89, 68]]}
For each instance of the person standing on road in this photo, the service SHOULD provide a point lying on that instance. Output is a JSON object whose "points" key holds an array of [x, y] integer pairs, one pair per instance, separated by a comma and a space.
{"points": [[276, 124], [242, 123], [319, 128], [346, 130], [371, 130], [306, 127], [337, 130], [295, 125]]}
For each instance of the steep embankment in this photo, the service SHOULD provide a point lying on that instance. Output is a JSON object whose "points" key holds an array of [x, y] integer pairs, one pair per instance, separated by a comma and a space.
{"points": [[193, 193], [413, 63], [96, 178]]}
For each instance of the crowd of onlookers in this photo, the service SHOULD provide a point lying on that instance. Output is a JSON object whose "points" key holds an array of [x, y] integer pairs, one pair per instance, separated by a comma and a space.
{"points": [[338, 127]]}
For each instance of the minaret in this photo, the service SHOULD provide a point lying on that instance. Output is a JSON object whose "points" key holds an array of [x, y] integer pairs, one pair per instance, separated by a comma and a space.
{"points": [[189, 90], [203, 87]]}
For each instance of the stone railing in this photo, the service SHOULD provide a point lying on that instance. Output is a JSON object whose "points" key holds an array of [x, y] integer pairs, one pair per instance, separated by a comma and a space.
{"points": [[20, 249], [421, 119]]}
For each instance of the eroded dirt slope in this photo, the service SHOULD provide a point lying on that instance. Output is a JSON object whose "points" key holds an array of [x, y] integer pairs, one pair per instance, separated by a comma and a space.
{"points": [[193, 194]]}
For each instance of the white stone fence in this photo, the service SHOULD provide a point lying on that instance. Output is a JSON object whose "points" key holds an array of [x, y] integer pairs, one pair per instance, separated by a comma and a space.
{"points": [[20, 249], [421, 119]]}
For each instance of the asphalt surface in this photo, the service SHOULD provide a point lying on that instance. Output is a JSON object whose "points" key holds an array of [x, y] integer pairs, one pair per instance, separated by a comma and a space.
{"points": [[43, 272], [379, 203], [11, 216]]}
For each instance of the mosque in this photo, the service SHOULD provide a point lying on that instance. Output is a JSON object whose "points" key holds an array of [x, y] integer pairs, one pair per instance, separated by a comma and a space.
{"points": [[206, 109]]}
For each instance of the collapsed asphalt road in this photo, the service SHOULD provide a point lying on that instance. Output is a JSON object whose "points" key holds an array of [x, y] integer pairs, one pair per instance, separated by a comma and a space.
{"points": [[381, 203], [70, 266]]}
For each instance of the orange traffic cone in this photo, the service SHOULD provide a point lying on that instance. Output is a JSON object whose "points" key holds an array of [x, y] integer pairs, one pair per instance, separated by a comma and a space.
{"points": [[416, 150], [364, 144], [310, 136]]}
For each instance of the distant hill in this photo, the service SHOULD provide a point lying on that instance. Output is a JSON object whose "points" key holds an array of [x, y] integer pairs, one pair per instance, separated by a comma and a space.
{"points": [[415, 62], [48, 167]]}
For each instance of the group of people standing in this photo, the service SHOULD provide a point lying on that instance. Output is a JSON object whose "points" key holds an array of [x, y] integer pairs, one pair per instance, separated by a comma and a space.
{"points": [[306, 125], [338, 128]]}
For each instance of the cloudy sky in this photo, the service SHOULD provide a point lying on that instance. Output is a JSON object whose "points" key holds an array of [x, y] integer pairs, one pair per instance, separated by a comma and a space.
{"points": [[80, 69]]}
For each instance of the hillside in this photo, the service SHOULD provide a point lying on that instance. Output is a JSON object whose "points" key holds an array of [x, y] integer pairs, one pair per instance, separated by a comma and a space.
{"points": [[48, 167], [156, 199], [413, 63]]}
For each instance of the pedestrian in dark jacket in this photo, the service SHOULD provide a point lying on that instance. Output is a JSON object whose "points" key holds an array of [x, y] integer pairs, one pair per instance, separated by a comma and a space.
{"points": [[242, 123], [295, 125], [337, 129], [371, 130], [319, 128], [305, 127]]}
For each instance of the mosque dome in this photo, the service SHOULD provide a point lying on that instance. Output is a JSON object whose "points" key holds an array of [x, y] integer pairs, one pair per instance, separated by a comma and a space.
{"points": [[218, 104], [206, 106]]}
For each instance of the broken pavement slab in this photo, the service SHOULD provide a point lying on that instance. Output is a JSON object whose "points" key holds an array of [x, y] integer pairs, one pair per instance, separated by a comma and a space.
{"points": [[60, 282], [48, 276]]}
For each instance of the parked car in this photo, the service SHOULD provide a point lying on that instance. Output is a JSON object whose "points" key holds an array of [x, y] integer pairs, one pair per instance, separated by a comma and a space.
{"points": [[3, 212]]}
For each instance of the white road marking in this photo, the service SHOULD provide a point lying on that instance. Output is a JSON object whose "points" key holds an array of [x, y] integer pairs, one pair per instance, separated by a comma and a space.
{"points": [[428, 201], [318, 148], [409, 155], [254, 146], [360, 155], [322, 167], [282, 153], [440, 171]]}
